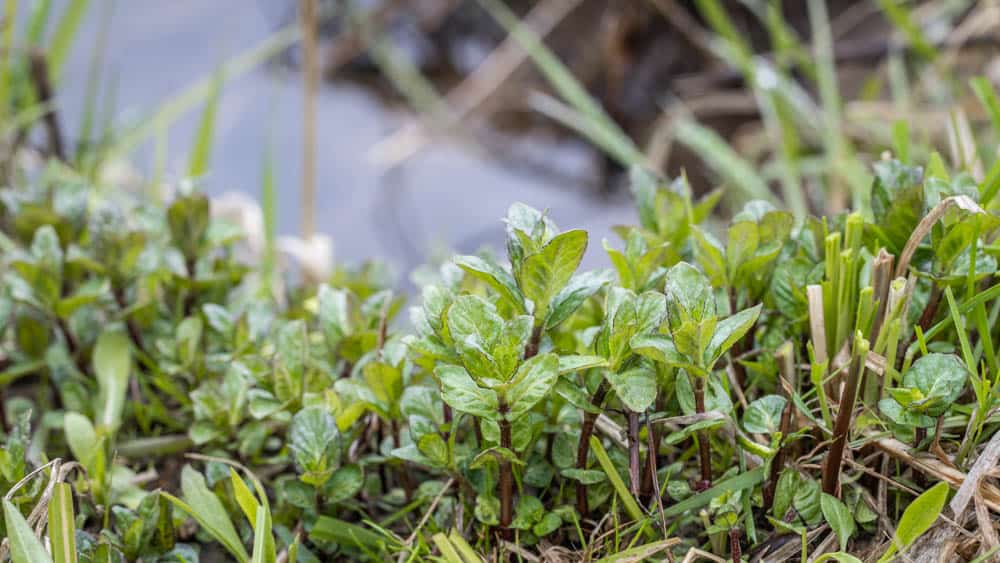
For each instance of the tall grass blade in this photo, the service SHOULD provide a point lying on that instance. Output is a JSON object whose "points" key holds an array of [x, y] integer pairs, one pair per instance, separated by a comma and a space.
{"points": [[988, 98], [172, 109], [901, 17], [566, 85], [631, 506], [201, 152], [714, 150], [64, 35], [9, 23], [62, 524], [38, 22]]}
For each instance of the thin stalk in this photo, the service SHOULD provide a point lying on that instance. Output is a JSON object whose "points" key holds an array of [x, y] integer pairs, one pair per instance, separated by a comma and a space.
{"points": [[531, 348], [506, 476], [704, 448], [310, 74], [583, 449], [734, 545], [651, 445], [633, 453], [787, 364], [831, 469], [43, 89]]}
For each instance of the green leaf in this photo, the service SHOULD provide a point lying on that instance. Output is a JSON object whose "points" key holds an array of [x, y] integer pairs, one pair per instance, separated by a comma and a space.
{"points": [[473, 321], [206, 508], [918, 517], [81, 438], [763, 416], [897, 202], [658, 347], [24, 546], [62, 524], [574, 363], [461, 392], [941, 378], [344, 483], [244, 498], [546, 272], [385, 382], [689, 295], [263, 541], [579, 289], [635, 387], [729, 331], [112, 364], [494, 276], [532, 382], [201, 152], [312, 437], [839, 517]]}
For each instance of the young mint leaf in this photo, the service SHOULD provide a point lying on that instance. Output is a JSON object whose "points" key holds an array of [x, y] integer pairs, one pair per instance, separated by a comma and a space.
{"points": [[763, 416], [532, 382], [546, 272], [940, 378], [496, 277], [689, 295], [580, 288], [728, 331], [635, 387], [313, 438], [462, 394]]}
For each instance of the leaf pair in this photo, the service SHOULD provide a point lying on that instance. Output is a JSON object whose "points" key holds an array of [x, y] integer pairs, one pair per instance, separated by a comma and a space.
{"points": [[531, 383]]}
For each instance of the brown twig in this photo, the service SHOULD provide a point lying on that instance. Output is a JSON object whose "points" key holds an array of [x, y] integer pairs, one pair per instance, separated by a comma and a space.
{"points": [[506, 476], [43, 87], [845, 412]]}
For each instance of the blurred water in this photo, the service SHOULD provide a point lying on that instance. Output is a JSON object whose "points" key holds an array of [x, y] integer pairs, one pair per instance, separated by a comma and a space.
{"points": [[444, 197]]}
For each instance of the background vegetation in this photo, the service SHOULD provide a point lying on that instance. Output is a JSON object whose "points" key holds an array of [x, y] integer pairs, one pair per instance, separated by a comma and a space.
{"points": [[800, 365]]}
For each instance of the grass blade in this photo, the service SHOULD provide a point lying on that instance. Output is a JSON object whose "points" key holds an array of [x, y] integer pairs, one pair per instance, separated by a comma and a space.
{"points": [[917, 519], [201, 153], [10, 15], [172, 109], [63, 36], [631, 506], [722, 158], [903, 20], [24, 546], [206, 508], [984, 91], [567, 86], [62, 525]]}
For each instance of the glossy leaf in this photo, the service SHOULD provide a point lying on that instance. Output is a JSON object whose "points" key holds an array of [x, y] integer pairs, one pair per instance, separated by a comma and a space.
{"points": [[461, 392], [532, 383]]}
